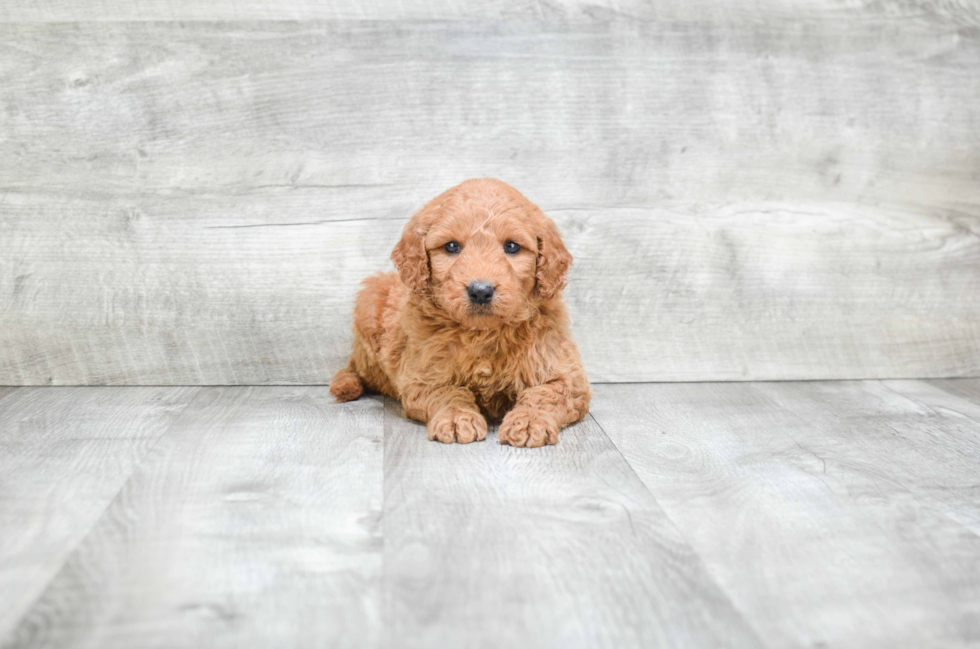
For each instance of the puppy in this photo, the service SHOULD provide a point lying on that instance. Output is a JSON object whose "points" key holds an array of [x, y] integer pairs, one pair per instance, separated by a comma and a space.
{"points": [[473, 326]]}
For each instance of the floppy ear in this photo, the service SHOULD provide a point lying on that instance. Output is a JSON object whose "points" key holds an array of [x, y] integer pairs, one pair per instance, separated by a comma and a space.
{"points": [[553, 259], [410, 256]]}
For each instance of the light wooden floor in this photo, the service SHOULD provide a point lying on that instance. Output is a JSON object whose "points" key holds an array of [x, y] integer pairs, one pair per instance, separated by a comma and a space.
{"points": [[809, 514]]}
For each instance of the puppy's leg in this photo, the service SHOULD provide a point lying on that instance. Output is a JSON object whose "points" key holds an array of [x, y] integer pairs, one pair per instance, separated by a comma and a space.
{"points": [[363, 369], [542, 411], [346, 384], [450, 413]]}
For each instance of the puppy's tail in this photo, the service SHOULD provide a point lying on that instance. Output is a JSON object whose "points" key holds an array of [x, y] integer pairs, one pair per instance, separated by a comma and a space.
{"points": [[346, 385]]}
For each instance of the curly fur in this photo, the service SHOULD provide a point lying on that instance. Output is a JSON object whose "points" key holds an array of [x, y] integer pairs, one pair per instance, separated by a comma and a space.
{"points": [[453, 365]]}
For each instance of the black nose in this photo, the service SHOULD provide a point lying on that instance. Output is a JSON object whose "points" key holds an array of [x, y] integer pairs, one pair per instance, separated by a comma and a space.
{"points": [[480, 292]]}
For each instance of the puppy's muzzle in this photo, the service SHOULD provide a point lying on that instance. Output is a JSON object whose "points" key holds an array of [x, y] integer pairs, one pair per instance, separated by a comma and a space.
{"points": [[480, 292]]}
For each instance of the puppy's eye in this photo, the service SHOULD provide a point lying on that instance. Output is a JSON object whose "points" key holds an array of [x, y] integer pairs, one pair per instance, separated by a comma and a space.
{"points": [[512, 248], [452, 247]]}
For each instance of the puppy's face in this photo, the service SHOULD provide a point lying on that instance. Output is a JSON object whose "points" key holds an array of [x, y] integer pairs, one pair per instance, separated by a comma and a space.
{"points": [[483, 253], [482, 264]]}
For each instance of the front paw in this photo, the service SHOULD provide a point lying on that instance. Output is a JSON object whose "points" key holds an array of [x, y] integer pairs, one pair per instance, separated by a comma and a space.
{"points": [[455, 425], [526, 427]]}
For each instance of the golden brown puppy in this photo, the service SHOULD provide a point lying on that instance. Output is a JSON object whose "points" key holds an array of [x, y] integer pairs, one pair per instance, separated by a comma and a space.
{"points": [[473, 325]]}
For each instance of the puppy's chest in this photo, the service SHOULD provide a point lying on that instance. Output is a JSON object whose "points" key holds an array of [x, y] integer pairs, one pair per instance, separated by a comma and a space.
{"points": [[494, 379], [486, 372]]}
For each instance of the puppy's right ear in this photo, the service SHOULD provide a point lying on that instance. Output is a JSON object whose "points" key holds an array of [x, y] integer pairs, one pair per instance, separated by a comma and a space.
{"points": [[410, 256]]}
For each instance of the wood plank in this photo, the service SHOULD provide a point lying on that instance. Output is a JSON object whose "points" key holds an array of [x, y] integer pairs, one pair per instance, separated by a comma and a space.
{"points": [[968, 389], [666, 111], [945, 429], [64, 455], [255, 522], [113, 10], [206, 196], [491, 546], [186, 296], [754, 291], [963, 12], [796, 515], [904, 438]]}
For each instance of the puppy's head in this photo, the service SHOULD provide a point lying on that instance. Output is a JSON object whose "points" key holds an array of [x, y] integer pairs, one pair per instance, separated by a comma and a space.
{"points": [[484, 253]]}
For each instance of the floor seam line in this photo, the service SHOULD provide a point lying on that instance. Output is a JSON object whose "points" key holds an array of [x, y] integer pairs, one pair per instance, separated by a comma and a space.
{"points": [[707, 573], [384, 536]]}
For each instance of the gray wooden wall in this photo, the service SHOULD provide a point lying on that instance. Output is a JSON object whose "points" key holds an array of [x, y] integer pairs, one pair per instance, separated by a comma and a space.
{"points": [[190, 192]]}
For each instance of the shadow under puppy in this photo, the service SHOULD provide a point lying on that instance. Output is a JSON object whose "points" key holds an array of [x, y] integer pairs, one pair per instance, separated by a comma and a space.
{"points": [[473, 325]]}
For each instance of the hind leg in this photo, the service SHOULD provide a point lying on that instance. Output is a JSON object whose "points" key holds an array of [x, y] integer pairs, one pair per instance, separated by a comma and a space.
{"points": [[377, 301], [346, 384], [363, 372]]}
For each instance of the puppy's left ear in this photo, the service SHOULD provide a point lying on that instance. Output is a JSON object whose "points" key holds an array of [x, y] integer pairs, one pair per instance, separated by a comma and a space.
{"points": [[553, 259]]}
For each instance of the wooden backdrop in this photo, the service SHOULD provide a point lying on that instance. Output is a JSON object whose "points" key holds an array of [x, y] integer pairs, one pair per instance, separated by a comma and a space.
{"points": [[190, 192]]}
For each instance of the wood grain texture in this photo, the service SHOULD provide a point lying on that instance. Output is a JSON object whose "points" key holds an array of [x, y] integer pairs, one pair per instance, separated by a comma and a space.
{"points": [[115, 10], [254, 522], [760, 514], [945, 431], [492, 546], [173, 291], [968, 389], [195, 203], [965, 12], [798, 500], [64, 455]]}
